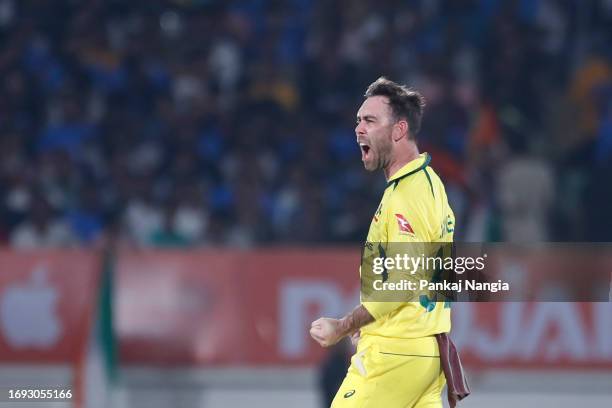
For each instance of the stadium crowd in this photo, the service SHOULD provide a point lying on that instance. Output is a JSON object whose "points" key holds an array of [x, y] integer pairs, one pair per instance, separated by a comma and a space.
{"points": [[203, 122]]}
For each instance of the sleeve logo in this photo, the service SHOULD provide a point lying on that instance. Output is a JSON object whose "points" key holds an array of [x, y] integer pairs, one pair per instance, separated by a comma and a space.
{"points": [[349, 394], [404, 225]]}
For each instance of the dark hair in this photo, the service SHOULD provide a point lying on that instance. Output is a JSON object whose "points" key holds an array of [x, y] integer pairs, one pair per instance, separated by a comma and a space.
{"points": [[405, 103]]}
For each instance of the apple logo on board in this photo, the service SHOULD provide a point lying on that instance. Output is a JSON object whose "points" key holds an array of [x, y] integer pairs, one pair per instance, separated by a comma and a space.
{"points": [[28, 312]]}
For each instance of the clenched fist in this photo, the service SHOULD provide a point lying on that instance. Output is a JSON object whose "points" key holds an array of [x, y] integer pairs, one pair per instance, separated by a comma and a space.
{"points": [[326, 331]]}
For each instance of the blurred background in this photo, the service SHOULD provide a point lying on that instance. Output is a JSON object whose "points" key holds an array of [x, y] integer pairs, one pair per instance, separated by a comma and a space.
{"points": [[180, 180]]}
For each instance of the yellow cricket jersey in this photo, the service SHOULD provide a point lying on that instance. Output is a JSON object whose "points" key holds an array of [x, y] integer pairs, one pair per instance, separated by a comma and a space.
{"points": [[414, 209]]}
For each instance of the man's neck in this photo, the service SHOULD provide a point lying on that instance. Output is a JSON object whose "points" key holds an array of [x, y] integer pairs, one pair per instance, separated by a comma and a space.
{"points": [[403, 157]]}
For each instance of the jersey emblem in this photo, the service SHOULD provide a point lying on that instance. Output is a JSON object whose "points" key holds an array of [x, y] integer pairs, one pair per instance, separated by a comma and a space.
{"points": [[404, 225], [378, 212], [449, 224]]}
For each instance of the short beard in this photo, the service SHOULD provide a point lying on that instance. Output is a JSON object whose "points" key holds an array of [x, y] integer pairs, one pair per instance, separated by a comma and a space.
{"points": [[384, 156]]}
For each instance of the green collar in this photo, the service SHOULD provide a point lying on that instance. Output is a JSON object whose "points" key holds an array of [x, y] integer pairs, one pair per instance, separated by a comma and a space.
{"points": [[410, 168]]}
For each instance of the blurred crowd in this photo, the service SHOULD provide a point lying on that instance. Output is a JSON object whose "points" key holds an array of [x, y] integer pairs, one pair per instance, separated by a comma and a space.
{"points": [[204, 122]]}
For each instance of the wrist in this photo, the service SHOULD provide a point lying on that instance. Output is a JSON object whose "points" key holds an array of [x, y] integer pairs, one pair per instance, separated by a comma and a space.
{"points": [[345, 327]]}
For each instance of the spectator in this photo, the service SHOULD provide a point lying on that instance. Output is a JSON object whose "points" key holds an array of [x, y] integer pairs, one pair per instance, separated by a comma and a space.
{"points": [[41, 228], [112, 108]]}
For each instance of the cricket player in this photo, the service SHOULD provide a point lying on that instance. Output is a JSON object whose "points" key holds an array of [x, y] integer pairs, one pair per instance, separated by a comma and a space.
{"points": [[397, 362]]}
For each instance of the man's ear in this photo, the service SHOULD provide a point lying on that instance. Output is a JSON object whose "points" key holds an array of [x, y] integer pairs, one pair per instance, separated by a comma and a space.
{"points": [[400, 129]]}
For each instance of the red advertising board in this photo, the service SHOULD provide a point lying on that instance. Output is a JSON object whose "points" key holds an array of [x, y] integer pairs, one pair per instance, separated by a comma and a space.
{"points": [[47, 300], [179, 308], [287, 290], [255, 308]]}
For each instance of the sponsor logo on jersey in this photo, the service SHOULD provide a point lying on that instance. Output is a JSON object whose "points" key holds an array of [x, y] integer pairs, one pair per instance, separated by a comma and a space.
{"points": [[447, 226], [378, 212], [450, 227], [404, 225]]}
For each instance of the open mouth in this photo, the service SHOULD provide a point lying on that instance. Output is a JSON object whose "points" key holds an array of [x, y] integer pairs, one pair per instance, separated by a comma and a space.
{"points": [[365, 150]]}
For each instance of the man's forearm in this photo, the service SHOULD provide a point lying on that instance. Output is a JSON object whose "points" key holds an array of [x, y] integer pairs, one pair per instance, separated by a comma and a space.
{"points": [[355, 320]]}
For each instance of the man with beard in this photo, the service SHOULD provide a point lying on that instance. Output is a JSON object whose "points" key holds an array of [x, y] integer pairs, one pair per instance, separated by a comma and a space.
{"points": [[403, 350]]}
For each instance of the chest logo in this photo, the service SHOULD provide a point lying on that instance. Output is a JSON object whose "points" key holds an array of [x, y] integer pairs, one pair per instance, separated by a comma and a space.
{"points": [[378, 212], [404, 225]]}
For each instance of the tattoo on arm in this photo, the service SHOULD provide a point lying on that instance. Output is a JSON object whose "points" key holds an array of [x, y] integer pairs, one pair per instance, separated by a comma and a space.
{"points": [[355, 320]]}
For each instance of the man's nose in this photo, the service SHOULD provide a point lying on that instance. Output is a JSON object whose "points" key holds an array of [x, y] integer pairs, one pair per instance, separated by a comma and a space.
{"points": [[359, 129]]}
